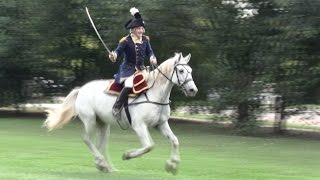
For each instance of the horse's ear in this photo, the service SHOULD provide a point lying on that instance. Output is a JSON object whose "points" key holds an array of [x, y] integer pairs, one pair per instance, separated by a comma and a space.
{"points": [[187, 58], [179, 58]]}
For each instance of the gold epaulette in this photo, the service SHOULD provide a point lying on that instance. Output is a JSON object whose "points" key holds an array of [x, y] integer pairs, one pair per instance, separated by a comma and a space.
{"points": [[147, 37], [123, 39]]}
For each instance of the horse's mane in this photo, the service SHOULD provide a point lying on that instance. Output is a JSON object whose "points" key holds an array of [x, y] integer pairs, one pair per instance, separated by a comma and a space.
{"points": [[165, 67], [168, 64]]}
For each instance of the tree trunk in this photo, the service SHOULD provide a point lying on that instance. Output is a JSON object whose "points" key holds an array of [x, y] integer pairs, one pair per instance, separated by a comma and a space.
{"points": [[243, 114], [279, 122]]}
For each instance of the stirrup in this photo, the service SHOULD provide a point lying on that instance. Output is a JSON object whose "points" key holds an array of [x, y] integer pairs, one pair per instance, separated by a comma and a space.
{"points": [[116, 112], [117, 115]]}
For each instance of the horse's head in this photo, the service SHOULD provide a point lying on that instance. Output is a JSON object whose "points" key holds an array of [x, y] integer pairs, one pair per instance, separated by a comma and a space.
{"points": [[182, 75]]}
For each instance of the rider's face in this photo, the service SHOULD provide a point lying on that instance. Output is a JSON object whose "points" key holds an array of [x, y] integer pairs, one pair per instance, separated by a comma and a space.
{"points": [[138, 31]]}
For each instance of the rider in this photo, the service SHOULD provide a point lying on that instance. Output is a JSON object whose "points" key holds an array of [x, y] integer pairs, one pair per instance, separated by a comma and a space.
{"points": [[135, 48]]}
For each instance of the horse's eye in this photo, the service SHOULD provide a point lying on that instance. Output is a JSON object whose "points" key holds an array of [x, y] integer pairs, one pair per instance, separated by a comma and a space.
{"points": [[181, 71]]}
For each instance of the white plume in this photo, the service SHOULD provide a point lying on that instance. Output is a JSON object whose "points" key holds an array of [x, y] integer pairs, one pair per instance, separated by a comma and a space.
{"points": [[133, 11]]}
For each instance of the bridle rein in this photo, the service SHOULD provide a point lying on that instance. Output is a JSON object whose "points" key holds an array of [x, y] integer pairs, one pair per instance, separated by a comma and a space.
{"points": [[175, 70]]}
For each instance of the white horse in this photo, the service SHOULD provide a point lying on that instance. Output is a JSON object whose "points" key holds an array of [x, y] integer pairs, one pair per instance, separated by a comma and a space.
{"points": [[94, 108]]}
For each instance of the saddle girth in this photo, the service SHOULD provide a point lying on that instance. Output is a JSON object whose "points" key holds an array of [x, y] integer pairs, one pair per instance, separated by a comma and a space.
{"points": [[126, 109]]}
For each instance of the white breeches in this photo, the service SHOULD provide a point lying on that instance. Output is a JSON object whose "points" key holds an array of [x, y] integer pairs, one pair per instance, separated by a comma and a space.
{"points": [[128, 81]]}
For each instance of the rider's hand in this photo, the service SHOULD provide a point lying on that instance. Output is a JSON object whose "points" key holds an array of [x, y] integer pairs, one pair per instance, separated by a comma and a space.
{"points": [[153, 60], [113, 56]]}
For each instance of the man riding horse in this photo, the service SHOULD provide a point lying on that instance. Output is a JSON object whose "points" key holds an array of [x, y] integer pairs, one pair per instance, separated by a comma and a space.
{"points": [[135, 47], [90, 103]]}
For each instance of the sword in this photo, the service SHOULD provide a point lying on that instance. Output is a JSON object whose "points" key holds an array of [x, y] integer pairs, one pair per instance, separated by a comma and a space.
{"points": [[95, 29]]}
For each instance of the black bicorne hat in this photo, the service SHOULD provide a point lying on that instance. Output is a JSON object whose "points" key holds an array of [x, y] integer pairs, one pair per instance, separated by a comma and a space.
{"points": [[137, 21]]}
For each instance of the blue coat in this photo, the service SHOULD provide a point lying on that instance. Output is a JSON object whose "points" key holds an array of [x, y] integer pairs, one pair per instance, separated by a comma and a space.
{"points": [[134, 55]]}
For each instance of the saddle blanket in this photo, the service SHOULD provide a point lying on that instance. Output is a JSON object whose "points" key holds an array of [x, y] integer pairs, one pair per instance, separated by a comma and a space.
{"points": [[139, 85]]}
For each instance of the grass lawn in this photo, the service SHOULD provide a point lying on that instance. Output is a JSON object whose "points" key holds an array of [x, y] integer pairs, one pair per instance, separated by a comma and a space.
{"points": [[28, 151]]}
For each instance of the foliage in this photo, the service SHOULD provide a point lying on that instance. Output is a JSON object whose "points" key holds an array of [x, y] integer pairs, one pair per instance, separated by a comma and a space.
{"points": [[238, 47]]}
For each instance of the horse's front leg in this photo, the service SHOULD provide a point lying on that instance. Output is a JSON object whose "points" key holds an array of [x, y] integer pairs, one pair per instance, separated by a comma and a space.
{"points": [[145, 139], [173, 162]]}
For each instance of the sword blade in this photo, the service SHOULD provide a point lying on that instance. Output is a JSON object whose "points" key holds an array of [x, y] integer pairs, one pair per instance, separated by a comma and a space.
{"points": [[95, 29]]}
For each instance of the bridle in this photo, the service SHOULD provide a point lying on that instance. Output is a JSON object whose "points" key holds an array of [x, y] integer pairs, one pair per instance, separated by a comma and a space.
{"points": [[175, 70]]}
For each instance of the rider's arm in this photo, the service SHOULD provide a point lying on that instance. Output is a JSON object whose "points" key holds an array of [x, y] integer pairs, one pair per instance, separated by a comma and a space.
{"points": [[149, 48], [150, 53], [121, 46]]}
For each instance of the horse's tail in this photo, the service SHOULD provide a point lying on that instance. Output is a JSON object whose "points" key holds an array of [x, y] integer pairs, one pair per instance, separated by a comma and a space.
{"points": [[58, 117]]}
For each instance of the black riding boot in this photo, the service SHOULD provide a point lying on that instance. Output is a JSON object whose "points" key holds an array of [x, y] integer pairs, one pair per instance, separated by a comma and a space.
{"points": [[123, 96]]}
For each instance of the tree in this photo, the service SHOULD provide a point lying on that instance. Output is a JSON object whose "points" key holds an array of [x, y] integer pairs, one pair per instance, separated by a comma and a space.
{"points": [[237, 46], [297, 74], [19, 55]]}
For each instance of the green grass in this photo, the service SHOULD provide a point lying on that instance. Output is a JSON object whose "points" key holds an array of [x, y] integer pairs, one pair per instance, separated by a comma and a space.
{"points": [[28, 152], [215, 118], [301, 127], [221, 119]]}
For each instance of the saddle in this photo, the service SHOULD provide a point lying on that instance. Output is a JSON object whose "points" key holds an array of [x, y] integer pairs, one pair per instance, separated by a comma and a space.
{"points": [[139, 85]]}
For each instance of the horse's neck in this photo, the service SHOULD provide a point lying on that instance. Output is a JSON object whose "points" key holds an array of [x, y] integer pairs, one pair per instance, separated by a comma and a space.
{"points": [[161, 89]]}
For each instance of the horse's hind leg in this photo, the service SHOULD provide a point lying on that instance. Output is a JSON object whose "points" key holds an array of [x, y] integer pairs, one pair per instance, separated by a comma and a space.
{"points": [[173, 162], [89, 132], [103, 137], [145, 140]]}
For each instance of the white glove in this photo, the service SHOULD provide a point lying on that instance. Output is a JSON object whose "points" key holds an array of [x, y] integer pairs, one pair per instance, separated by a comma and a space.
{"points": [[153, 60], [113, 56]]}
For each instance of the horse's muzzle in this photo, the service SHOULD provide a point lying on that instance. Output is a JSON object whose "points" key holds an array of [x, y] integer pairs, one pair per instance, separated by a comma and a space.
{"points": [[191, 92]]}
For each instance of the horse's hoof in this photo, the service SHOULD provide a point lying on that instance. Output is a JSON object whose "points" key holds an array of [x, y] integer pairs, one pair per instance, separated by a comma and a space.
{"points": [[171, 167], [114, 170], [102, 166], [125, 156], [104, 169]]}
